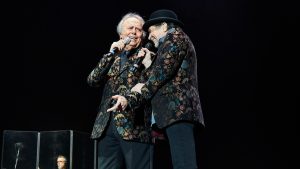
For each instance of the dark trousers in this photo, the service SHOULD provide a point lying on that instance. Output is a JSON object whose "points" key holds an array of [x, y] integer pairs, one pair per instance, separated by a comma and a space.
{"points": [[182, 145], [116, 153]]}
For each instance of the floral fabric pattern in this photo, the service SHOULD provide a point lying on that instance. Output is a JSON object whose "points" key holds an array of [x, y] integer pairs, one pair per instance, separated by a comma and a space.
{"points": [[130, 125], [172, 84]]}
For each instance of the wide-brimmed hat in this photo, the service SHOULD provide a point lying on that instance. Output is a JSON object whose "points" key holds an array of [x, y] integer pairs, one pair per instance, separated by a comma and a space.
{"points": [[162, 15]]}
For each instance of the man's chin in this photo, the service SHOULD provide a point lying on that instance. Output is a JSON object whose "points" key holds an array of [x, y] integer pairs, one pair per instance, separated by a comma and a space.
{"points": [[129, 47], [134, 45]]}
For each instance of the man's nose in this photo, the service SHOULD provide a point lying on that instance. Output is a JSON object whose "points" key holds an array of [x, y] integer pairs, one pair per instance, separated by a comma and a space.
{"points": [[134, 31]]}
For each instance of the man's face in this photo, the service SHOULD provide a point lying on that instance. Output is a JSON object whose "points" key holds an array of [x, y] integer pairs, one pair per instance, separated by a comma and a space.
{"points": [[61, 163], [157, 32], [132, 27]]}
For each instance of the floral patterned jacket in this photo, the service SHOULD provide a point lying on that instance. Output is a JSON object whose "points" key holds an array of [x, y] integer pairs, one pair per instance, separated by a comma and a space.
{"points": [[130, 125], [172, 86]]}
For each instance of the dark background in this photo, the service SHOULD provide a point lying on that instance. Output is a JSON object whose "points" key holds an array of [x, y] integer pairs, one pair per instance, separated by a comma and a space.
{"points": [[244, 50]]}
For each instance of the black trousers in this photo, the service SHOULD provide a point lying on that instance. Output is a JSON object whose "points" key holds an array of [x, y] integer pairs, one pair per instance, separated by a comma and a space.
{"points": [[182, 145], [116, 153]]}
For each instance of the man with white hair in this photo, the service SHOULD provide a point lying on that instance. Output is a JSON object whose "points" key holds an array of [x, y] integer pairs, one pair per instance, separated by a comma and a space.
{"points": [[123, 135]]}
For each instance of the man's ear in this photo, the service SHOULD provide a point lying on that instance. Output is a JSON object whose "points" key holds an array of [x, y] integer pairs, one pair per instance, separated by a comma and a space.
{"points": [[164, 26]]}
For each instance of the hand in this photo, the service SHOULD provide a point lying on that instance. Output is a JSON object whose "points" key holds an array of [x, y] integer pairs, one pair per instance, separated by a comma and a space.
{"points": [[144, 52], [137, 88], [119, 45], [121, 103]]}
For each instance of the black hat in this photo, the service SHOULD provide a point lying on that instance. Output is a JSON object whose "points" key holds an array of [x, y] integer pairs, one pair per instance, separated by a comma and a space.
{"points": [[162, 15]]}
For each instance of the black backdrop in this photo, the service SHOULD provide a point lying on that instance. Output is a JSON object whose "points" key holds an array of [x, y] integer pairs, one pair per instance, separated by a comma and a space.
{"points": [[242, 49]]}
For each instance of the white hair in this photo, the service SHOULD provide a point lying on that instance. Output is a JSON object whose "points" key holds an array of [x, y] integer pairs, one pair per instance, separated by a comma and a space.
{"points": [[130, 15]]}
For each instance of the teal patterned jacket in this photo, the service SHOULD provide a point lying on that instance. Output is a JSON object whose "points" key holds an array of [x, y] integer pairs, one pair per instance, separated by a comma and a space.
{"points": [[131, 125], [172, 86]]}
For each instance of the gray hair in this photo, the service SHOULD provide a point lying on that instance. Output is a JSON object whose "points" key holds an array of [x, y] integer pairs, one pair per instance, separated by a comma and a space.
{"points": [[130, 15]]}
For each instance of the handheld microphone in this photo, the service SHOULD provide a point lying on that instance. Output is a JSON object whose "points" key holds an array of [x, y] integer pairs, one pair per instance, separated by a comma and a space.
{"points": [[135, 66], [139, 60], [116, 50]]}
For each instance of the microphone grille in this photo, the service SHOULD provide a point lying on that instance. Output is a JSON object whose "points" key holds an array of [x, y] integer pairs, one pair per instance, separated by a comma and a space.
{"points": [[127, 40], [149, 45]]}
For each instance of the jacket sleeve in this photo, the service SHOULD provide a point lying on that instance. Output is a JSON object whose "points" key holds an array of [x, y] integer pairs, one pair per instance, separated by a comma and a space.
{"points": [[99, 73], [165, 67]]}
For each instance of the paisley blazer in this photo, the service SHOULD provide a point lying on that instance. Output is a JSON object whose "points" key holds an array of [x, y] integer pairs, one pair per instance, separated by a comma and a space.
{"points": [[130, 125], [172, 85]]}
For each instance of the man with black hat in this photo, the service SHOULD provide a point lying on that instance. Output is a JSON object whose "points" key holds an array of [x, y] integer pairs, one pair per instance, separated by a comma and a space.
{"points": [[172, 86]]}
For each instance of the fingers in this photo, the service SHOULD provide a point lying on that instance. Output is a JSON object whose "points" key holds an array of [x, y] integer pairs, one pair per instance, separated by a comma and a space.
{"points": [[152, 53], [115, 97], [115, 107], [138, 87], [121, 103], [143, 52], [146, 50], [119, 44]]}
